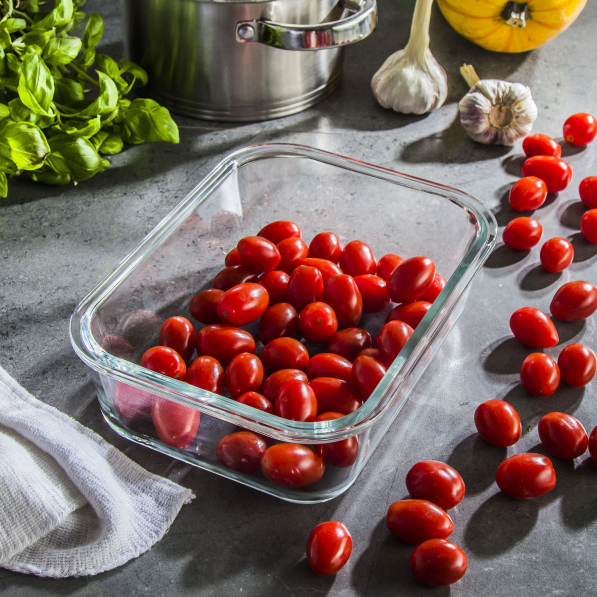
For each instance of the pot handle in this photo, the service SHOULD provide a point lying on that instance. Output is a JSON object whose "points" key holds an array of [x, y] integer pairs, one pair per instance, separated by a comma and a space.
{"points": [[355, 27]]}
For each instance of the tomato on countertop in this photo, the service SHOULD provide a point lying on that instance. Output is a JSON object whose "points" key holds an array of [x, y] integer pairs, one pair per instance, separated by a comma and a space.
{"points": [[577, 365], [526, 476], [435, 482], [588, 226], [556, 173], [540, 374], [563, 435], [556, 254], [522, 233], [533, 328], [438, 562], [328, 548], [574, 301], [539, 144], [527, 194], [588, 191], [498, 423], [580, 129], [416, 521]]}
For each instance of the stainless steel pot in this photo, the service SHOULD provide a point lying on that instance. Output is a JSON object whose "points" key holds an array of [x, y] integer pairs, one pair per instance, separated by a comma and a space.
{"points": [[250, 60]]}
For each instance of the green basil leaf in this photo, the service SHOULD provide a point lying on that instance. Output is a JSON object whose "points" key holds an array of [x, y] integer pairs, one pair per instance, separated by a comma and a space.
{"points": [[60, 16], [138, 74], [108, 66], [3, 185], [98, 139], [36, 84], [19, 112], [62, 50], [112, 144], [31, 6], [146, 120], [91, 37], [13, 63], [33, 38], [12, 25], [4, 70], [8, 166], [4, 111], [50, 177], [67, 91], [79, 3], [5, 39], [75, 156], [83, 129], [105, 102], [24, 144]]}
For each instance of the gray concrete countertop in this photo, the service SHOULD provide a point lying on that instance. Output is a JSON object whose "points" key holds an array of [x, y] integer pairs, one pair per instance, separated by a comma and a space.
{"points": [[56, 243]]}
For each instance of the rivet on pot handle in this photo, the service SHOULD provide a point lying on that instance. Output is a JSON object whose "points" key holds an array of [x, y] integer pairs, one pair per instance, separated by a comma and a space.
{"points": [[334, 34]]}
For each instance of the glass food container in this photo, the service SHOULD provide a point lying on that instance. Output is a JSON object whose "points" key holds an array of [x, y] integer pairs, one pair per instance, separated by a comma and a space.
{"points": [[320, 191]]}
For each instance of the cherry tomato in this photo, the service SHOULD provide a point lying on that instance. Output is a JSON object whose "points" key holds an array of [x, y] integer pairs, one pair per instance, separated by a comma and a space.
{"points": [[204, 306], [292, 251], [342, 294], [387, 264], [233, 276], [317, 323], [304, 286], [588, 226], [164, 360], [343, 453], [526, 476], [556, 173], [574, 301], [292, 465], [563, 436], [371, 352], [296, 401], [271, 386], [556, 254], [580, 129], [593, 445], [438, 562], [178, 333], [276, 232], [245, 373], [409, 313], [417, 521], [373, 292], [358, 259], [392, 338], [176, 425], [366, 374], [411, 279], [233, 258], [223, 342], [326, 245], [279, 320], [328, 548], [241, 451], [539, 144], [259, 253], [522, 233], [438, 284], [588, 191], [257, 401], [335, 395], [577, 365], [275, 283], [498, 423], [435, 482], [328, 364], [284, 353], [527, 194], [327, 268], [132, 402], [349, 342], [243, 304], [540, 374], [533, 328], [206, 373]]}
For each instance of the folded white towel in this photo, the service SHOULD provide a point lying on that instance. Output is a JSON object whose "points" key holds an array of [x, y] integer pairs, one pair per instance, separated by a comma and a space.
{"points": [[70, 503]]}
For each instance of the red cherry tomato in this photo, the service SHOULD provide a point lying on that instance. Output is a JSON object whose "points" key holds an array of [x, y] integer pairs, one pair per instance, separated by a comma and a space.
{"points": [[243, 304], [271, 386], [296, 401], [438, 562], [275, 283], [259, 253], [241, 451], [387, 264], [245, 373], [527, 194], [435, 482], [392, 338], [409, 313], [233, 258], [556, 173], [577, 365], [292, 465], [176, 425], [438, 284], [328, 364], [233, 276], [411, 279], [349, 342], [522, 234], [206, 373], [335, 395], [279, 320], [539, 144], [326, 245], [526, 476], [132, 402], [164, 360], [276, 232], [580, 129], [373, 292], [257, 401], [498, 423], [342, 294], [304, 286], [358, 259], [588, 191], [533, 328], [588, 226], [556, 254], [371, 352], [366, 374], [284, 353], [540, 374], [292, 251], [574, 301], [204, 306], [178, 333], [563, 436], [417, 521], [326, 268], [328, 548], [223, 342], [341, 454], [593, 445], [317, 323]]}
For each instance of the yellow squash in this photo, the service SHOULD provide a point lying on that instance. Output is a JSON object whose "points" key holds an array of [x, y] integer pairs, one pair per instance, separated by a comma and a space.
{"points": [[504, 26]]}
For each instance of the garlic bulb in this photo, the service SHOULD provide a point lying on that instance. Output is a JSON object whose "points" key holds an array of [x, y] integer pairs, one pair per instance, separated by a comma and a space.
{"points": [[411, 80], [495, 111]]}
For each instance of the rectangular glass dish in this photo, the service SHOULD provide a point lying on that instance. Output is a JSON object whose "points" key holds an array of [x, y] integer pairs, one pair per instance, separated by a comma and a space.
{"points": [[320, 191]]}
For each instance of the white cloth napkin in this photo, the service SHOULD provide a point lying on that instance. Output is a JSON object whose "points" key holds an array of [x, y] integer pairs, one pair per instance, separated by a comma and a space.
{"points": [[70, 503]]}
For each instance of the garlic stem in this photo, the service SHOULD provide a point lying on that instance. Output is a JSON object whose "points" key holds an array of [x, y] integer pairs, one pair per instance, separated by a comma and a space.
{"points": [[419, 30], [469, 74]]}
